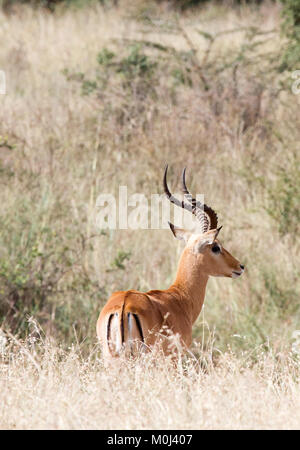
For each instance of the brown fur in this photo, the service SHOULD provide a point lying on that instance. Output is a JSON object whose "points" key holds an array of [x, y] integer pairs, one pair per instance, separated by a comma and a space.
{"points": [[176, 308]]}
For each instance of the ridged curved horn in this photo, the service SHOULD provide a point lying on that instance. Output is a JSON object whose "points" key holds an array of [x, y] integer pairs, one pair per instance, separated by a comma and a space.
{"points": [[173, 199], [206, 215]]}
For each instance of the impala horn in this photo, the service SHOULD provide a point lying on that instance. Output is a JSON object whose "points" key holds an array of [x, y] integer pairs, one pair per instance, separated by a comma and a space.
{"points": [[207, 217]]}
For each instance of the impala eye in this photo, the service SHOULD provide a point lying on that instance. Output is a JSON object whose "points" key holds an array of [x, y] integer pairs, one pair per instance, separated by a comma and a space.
{"points": [[216, 249]]}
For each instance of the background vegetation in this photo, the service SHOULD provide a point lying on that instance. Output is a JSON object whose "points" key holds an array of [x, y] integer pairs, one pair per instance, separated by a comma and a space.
{"points": [[195, 90], [104, 95]]}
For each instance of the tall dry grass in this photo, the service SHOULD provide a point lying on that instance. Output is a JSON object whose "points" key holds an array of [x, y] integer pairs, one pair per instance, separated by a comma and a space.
{"points": [[46, 387], [225, 113]]}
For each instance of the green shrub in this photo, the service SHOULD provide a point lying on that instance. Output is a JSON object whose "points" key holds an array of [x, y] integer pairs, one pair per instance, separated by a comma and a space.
{"points": [[48, 4], [42, 273], [291, 29], [284, 198]]}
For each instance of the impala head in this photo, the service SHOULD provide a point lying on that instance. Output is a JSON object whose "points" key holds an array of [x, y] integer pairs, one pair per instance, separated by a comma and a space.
{"points": [[202, 242]]}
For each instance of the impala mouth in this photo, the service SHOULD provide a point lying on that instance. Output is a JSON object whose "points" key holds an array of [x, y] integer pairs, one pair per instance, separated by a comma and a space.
{"points": [[236, 274]]}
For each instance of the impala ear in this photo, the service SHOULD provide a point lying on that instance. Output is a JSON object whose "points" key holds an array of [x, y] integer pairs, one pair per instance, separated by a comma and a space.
{"points": [[217, 232], [180, 233]]}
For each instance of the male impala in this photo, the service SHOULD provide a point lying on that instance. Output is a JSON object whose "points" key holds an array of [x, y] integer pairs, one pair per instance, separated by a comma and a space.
{"points": [[144, 317]]}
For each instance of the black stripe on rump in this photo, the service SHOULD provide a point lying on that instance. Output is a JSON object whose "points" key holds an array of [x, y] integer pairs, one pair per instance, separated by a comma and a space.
{"points": [[108, 328], [122, 323], [138, 324]]}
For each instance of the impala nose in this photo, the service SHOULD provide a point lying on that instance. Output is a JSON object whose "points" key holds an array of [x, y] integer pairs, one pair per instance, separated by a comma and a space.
{"points": [[242, 267]]}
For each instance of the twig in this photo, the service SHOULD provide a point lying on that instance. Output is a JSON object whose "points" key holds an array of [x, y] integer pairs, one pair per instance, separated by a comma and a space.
{"points": [[36, 365]]}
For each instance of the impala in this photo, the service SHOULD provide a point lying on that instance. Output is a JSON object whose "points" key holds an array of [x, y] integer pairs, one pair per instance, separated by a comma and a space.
{"points": [[132, 317]]}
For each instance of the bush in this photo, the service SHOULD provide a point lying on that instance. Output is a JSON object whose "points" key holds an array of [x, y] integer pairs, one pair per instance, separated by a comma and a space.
{"points": [[291, 29], [48, 4], [129, 79], [176, 4], [41, 274], [284, 198]]}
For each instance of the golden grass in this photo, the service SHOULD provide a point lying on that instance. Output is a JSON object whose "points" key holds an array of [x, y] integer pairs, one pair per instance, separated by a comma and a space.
{"points": [[45, 387]]}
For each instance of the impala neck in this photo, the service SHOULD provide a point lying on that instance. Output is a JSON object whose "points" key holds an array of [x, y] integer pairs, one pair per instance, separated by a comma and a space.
{"points": [[191, 280]]}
